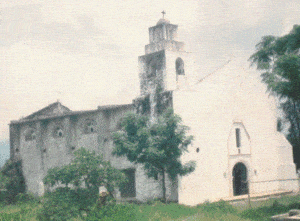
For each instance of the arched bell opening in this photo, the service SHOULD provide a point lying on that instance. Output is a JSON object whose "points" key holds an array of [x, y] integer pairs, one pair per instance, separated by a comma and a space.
{"points": [[179, 65]]}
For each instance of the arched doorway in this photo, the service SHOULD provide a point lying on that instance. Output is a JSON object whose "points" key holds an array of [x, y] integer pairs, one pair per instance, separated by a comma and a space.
{"points": [[240, 181]]}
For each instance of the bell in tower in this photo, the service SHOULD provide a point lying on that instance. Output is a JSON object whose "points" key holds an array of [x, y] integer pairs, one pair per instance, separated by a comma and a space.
{"points": [[163, 67]]}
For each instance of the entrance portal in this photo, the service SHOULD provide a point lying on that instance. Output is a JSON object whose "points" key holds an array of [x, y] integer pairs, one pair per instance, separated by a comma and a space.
{"points": [[240, 183]]}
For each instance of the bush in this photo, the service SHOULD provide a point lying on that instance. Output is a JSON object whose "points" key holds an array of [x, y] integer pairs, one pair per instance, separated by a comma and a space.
{"points": [[120, 212], [25, 197], [64, 203], [12, 181], [86, 170]]}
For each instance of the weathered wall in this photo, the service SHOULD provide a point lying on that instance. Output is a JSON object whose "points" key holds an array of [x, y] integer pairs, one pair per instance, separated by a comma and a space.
{"points": [[48, 149]]}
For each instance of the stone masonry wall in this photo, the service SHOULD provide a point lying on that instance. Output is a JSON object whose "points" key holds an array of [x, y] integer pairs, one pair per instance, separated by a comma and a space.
{"points": [[54, 141]]}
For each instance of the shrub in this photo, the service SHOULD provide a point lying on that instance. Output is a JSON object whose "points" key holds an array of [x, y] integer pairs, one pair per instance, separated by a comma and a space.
{"points": [[86, 173], [64, 203], [120, 212], [11, 181], [25, 197]]}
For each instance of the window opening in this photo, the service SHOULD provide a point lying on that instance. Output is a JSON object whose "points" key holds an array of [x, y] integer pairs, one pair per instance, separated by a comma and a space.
{"points": [[179, 66], [30, 135], [238, 137]]}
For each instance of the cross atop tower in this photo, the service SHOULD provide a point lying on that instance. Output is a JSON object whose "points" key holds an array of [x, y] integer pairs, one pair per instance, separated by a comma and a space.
{"points": [[163, 13]]}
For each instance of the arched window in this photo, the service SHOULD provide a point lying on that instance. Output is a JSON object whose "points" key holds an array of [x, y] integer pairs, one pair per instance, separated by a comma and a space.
{"points": [[58, 132], [90, 126], [179, 66], [30, 134]]}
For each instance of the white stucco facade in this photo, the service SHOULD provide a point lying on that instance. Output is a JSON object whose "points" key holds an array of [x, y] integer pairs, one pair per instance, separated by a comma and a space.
{"points": [[214, 108]]}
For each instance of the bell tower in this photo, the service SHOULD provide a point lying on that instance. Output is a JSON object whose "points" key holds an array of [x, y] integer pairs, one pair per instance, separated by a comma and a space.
{"points": [[164, 66]]}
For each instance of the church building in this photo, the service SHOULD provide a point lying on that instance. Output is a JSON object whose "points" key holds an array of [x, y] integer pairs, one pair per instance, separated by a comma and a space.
{"points": [[236, 146]]}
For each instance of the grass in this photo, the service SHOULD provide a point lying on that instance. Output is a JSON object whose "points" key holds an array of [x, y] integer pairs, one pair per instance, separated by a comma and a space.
{"points": [[261, 210], [19, 211]]}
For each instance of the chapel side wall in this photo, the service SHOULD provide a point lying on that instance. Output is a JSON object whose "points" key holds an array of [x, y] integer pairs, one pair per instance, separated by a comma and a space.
{"points": [[48, 150]]}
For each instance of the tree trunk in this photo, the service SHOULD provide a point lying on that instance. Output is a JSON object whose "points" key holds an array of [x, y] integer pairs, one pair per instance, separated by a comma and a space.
{"points": [[164, 185]]}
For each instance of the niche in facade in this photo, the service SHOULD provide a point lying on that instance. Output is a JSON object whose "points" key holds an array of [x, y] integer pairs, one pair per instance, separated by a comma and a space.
{"points": [[90, 126], [179, 64], [58, 132], [30, 134]]}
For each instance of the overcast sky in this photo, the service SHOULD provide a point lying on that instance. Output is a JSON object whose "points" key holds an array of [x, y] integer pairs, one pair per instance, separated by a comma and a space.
{"points": [[84, 53]]}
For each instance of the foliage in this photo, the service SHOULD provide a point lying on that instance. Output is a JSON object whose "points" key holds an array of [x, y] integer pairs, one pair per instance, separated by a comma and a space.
{"points": [[278, 58], [120, 212], [81, 180], [65, 203], [261, 210], [87, 169], [157, 145], [11, 181], [291, 111]]}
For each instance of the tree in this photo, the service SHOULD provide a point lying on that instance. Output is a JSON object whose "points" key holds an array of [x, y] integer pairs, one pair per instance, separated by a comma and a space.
{"points": [[157, 146], [12, 180], [291, 111], [81, 180], [278, 59]]}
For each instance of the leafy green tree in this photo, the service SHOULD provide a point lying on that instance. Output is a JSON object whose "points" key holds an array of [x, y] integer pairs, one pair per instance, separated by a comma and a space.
{"points": [[80, 181], [12, 180], [291, 110], [157, 146], [279, 60]]}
